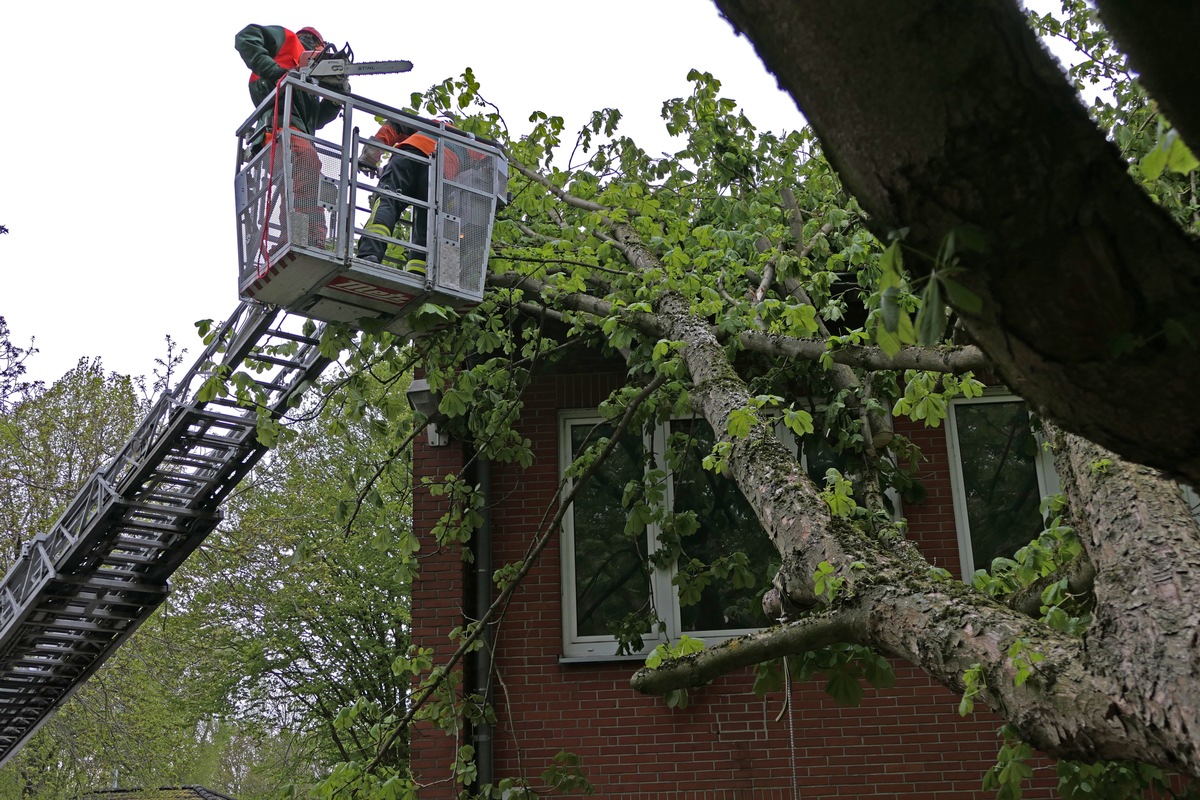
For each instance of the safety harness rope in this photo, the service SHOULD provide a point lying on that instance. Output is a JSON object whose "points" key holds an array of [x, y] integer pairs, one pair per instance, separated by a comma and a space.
{"points": [[263, 262]]}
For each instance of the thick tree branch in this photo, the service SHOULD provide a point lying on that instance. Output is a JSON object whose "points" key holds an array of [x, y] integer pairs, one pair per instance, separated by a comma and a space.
{"points": [[1145, 544], [1061, 704], [947, 115], [1155, 34], [947, 628], [951, 360]]}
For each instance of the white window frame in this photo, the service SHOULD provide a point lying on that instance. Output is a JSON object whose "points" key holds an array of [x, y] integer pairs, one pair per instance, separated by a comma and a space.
{"points": [[663, 593], [662, 589], [1044, 465], [575, 645]]}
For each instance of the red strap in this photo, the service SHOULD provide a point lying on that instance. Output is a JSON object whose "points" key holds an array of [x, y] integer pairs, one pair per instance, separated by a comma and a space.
{"points": [[263, 261]]}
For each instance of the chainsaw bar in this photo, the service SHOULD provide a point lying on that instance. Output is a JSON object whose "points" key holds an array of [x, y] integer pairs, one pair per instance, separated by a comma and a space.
{"points": [[341, 67]]}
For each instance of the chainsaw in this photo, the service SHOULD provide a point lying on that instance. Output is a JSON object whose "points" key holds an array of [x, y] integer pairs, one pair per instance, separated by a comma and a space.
{"points": [[332, 68]]}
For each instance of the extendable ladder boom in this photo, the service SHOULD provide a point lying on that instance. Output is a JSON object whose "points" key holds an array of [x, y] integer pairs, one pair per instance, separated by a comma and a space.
{"points": [[77, 592]]}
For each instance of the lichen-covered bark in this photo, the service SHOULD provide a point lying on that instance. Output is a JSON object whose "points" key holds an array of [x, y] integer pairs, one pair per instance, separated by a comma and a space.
{"points": [[1141, 537], [947, 114], [1086, 698]]}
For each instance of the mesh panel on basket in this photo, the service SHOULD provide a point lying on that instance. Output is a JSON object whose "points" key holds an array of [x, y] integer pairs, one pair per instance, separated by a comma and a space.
{"points": [[307, 225], [469, 197], [261, 218]]}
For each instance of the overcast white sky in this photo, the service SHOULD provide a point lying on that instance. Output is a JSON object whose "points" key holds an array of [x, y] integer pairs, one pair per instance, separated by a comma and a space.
{"points": [[117, 150]]}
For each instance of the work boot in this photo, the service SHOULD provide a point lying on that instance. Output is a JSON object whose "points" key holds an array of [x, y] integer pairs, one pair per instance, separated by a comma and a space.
{"points": [[416, 265], [369, 248]]}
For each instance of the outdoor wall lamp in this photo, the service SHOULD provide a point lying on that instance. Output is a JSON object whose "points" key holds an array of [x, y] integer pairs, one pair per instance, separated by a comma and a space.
{"points": [[425, 403]]}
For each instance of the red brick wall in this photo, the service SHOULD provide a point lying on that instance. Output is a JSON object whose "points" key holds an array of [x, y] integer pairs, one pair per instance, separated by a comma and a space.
{"points": [[437, 607], [903, 742], [931, 522]]}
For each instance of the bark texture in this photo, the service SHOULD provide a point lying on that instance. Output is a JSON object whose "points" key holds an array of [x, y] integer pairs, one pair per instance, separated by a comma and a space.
{"points": [[1139, 533], [1157, 34], [939, 115], [1091, 698]]}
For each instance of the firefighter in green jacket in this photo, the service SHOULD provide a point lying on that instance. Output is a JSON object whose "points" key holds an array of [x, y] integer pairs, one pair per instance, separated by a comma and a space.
{"points": [[270, 51]]}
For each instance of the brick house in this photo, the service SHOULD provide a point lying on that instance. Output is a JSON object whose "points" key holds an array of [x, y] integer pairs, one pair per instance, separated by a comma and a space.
{"points": [[559, 685]]}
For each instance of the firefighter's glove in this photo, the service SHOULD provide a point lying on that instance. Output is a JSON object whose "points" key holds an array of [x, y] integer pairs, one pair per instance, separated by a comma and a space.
{"points": [[336, 83], [368, 168], [368, 160]]}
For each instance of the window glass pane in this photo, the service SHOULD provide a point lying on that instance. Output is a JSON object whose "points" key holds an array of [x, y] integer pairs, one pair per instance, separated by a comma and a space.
{"points": [[612, 571], [1000, 484], [1192, 498], [819, 458], [727, 526]]}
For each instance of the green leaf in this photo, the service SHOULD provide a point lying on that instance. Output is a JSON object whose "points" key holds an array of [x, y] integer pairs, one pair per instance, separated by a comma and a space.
{"points": [[890, 263], [452, 405], [888, 342], [1176, 332], [931, 320], [209, 389], [740, 421], [1179, 157], [971, 237], [799, 421], [1153, 163], [889, 308], [1169, 154], [844, 688], [962, 298]]}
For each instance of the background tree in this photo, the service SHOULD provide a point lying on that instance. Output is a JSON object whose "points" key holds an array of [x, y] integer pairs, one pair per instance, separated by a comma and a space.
{"points": [[272, 658], [135, 721], [313, 585], [12, 367], [52, 439]]}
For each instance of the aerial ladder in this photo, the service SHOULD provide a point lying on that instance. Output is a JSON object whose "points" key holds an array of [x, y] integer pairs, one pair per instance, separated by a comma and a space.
{"points": [[79, 590]]}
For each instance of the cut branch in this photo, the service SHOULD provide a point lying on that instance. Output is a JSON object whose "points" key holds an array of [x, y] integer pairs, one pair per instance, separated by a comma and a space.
{"points": [[810, 633]]}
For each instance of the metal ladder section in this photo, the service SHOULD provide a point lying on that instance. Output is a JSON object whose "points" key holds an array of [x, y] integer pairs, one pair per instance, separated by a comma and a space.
{"points": [[78, 591]]}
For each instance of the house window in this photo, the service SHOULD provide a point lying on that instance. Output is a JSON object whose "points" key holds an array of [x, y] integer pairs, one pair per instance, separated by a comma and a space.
{"points": [[611, 577], [999, 474], [613, 571], [728, 532]]}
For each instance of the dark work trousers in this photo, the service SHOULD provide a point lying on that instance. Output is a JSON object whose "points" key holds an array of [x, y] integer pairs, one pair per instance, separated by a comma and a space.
{"points": [[402, 176]]}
